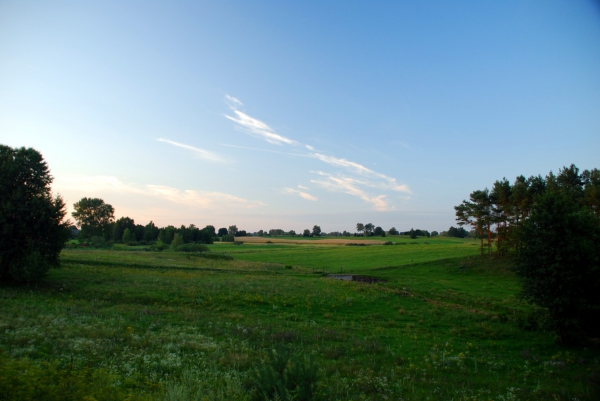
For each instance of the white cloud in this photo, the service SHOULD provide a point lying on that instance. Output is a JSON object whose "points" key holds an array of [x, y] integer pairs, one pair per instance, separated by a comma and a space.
{"points": [[349, 186], [255, 127], [302, 187], [233, 102], [299, 193], [94, 186], [203, 154], [309, 147], [384, 182], [207, 199]]}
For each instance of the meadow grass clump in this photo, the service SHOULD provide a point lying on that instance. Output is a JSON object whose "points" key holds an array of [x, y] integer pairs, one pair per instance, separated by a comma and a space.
{"points": [[192, 248]]}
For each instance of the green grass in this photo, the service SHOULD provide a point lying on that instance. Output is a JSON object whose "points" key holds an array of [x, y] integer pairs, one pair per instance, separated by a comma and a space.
{"points": [[118, 324], [332, 258]]}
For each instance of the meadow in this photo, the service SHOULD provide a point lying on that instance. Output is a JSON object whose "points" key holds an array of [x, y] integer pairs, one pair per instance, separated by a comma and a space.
{"points": [[442, 324]]}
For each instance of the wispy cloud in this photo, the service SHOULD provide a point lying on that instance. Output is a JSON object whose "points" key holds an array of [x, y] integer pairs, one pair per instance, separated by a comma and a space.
{"points": [[205, 199], [106, 184], [384, 182], [349, 186], [265, 150], [203, 154], [353, 182], [233, 102], [299, 193], [254, 126]]}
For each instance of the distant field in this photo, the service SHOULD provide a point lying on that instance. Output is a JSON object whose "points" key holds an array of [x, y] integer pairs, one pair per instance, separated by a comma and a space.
{"points": [[141, 325], [331, 255]]}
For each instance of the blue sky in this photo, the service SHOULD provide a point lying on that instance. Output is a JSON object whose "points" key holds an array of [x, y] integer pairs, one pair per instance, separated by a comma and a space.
{"points": [[290, 114]]}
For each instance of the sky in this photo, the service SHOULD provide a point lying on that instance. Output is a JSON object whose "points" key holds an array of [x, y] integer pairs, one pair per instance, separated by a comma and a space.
{"points": [[289, 114]]}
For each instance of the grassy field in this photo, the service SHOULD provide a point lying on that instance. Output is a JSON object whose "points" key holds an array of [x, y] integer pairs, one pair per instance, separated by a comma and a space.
{"points": [[333, 257], [142, 325]]}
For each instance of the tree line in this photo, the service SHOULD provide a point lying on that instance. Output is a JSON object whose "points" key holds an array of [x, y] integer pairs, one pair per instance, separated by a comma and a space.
{"points": [[97, 224], [497, 215]]}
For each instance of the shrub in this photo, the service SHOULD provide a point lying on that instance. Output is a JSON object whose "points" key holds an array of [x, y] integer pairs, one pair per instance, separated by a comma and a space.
{"points": [[227, 238], [176, 242], [192, 248], [286, 377], [159, 246], [388, 243]]}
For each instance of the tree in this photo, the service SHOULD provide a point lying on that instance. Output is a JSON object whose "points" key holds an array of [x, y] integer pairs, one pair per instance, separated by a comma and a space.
{"points": [[434, 233], [293, 233], [412, 234], [127, 236], [306, 233], [94, 217], [316, 231], [559, 264], [369, 227], [120, 226], [379, 231], [177, 241], [360, 227], [32, 231], [393, 231], [211, 230], [233, 230], [222, 231], [150, 232]]}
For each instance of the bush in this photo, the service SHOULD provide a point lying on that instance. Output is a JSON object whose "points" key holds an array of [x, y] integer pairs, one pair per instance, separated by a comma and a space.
{"points": [[388, 243], [227, 238], [159, 246], [32, 233], [286, 377], [192, 248]]}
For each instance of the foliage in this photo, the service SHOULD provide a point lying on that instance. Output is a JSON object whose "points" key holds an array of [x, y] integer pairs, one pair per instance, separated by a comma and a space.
{"points": [[94, 217], [27, 381], [159, 246], [306, 233], [32, 232], [316, 231], [559, 264], [120, 226], [393, 231], [286, 377], [227, 238], [232, 230], [127, 237], [222, 231], [292, 233], [192, 248], [499, 214], [177, 242]]}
